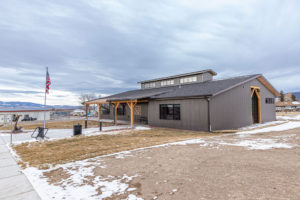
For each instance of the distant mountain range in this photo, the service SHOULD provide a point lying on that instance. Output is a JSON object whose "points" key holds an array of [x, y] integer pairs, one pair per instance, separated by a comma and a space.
{"points": [[17, 104], [297, 94]]}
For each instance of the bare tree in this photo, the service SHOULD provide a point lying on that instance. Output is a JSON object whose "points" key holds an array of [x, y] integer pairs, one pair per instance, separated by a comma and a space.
{"points": [[87, 97]]}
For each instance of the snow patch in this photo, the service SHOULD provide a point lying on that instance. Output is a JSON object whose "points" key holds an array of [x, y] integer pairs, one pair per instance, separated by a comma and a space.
{"points": [[82, 183], [262, 144], [282, 127], [261, 125], [133, 197], [142, 128], [289, 117]]}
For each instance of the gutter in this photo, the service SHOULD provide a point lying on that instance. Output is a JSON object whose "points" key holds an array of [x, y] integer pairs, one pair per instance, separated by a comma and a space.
{"points": [[208, 99]]}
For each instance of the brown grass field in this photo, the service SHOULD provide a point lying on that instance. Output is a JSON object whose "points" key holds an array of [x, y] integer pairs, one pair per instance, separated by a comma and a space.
{"points": [[287, 113], [57, 124], [41, 154]]}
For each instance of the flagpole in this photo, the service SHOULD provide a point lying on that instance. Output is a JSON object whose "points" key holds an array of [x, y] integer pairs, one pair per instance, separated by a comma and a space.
{"points": [[45, 99]]}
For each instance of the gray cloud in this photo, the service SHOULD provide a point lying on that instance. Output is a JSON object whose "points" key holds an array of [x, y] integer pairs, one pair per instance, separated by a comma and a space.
{"points": [[107, 46]]}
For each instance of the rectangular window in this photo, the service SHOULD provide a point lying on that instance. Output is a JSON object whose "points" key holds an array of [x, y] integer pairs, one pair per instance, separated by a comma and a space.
{"points": [[169, 111], [188, 79], [269, 100], [167, 82], [149, 85]]}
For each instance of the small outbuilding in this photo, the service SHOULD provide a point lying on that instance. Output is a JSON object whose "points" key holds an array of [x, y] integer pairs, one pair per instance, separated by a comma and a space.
{"points": [[194, 101], [26, 114]]}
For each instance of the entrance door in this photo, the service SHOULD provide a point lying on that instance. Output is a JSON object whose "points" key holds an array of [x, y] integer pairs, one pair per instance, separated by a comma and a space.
{"points": [[255, 98], [255, 108]]}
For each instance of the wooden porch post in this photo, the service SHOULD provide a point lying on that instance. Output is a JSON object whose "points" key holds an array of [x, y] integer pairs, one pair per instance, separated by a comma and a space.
{"points": [[99, 111], [116, 107], [131, 105]]}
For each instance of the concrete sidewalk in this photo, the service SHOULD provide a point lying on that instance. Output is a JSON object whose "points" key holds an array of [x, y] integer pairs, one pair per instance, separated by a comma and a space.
{"points": [[13, 183]]}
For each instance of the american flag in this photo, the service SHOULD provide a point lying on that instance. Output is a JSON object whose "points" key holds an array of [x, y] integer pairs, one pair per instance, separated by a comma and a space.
{"points": [[48, 82]]}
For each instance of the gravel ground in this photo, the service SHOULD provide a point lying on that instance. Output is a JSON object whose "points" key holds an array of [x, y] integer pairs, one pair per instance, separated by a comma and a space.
{"points": [[235, 166]]}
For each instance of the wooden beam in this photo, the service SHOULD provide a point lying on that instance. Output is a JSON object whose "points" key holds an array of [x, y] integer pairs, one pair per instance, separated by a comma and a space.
{"points": [[116, 104], [125, 101], [268, 85], [256, 90], [132, 105], [259, 105]]}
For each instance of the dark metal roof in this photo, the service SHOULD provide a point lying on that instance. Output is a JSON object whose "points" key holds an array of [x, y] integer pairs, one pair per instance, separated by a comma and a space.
{"points": [[181, 75], [208, 88]]}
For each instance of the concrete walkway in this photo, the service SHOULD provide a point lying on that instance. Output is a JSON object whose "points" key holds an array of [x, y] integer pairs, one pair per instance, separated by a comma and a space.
{"points": [[13, 183]]}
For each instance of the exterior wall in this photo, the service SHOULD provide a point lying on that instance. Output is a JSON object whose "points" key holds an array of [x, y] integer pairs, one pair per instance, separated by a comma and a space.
{"points": [[126, 117], [193, 114], [233, 109], [38, 115], [200, 78]]}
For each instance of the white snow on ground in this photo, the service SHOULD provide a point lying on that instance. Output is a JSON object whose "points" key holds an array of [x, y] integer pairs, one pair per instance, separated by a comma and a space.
{"points": [[142, 128], [261, 125], [79, 184], [289, 117], [282, 127], [258, 144]]}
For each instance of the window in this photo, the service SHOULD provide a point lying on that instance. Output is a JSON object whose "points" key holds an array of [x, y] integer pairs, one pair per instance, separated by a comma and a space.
{"points": [[167, 82], [149, 85], [269, 100], [169, 111], [188, 79], [121, 109], [105, 109]]}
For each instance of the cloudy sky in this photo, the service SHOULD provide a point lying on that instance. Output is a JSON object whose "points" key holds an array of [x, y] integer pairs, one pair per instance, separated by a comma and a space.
{"points": [[107, 46]]}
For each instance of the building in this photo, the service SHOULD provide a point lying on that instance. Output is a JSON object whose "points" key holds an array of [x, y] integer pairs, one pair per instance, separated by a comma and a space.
{"points": [[77, 112], [26, 114], [194, 101], [287, 106]]}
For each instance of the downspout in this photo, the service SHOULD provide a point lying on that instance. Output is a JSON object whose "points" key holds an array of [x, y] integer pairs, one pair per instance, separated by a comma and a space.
{"points": [[208, 113]]}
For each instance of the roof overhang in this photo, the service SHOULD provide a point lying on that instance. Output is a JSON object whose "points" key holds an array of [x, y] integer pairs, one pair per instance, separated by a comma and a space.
{"points": [[260, 78], [268, 85], [96, 101]]}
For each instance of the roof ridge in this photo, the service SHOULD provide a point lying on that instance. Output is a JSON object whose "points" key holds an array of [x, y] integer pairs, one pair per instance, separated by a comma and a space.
{"points": [[233, 77]]}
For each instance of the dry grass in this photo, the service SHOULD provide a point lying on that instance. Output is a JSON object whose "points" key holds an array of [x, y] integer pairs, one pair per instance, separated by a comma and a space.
{"points": [[287, 113], [57, 124], [41, 154]]}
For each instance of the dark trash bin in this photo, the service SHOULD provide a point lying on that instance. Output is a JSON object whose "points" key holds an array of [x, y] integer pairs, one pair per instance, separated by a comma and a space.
{"points": [[77, 129]]}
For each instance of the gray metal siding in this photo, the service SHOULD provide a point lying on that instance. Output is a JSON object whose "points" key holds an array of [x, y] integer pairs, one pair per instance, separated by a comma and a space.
{"points": [[193, 114], [233, 109], [200, 78]]}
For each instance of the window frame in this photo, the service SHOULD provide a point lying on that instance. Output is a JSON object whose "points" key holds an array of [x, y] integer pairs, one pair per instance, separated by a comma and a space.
{"points": [[189, 79], [269, 100], [169, 111]]}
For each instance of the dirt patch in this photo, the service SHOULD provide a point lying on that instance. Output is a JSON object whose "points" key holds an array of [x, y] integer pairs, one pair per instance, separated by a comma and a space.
{"points": [[38, 154], [56, 176], [213, 169]]}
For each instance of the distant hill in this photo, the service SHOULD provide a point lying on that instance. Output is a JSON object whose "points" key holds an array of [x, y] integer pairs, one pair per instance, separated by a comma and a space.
{"points": [[297, 94], [17, 104]]}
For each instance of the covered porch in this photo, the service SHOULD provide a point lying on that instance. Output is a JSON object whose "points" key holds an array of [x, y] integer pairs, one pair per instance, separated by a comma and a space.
{"points": [[99, 102]]}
